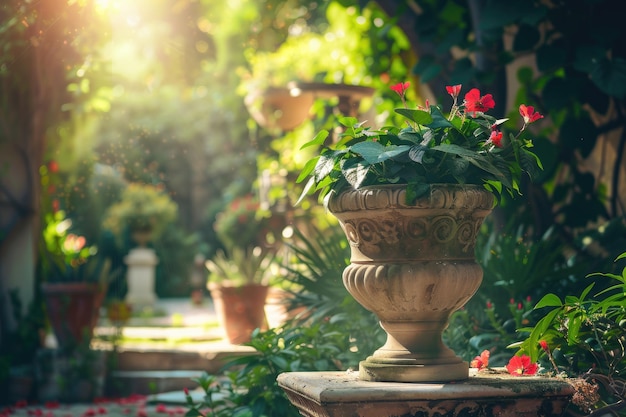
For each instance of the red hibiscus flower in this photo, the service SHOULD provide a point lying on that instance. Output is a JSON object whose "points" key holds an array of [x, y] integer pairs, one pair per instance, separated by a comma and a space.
{"points": [[529, 114], [401, 88], [475, 103], [496, 139], [454, 90], [481, 362], [521, 365]]}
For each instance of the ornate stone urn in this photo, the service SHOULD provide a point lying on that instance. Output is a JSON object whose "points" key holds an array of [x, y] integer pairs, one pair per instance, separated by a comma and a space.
{"points": [[413, 265]]}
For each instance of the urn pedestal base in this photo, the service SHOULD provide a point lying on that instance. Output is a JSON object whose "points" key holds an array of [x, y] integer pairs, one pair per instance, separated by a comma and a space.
{"points": [[411, 371]]}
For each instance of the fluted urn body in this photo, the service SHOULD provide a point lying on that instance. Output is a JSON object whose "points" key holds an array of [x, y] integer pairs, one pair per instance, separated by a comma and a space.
{"points": [[413, 265]]}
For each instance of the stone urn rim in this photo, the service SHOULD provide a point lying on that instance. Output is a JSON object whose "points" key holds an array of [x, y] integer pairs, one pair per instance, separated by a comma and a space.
{"points": [[396, 197]]}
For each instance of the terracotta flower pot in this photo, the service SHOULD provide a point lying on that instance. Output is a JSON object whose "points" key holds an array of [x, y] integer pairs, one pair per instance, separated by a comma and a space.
{"points": [[240, 310], [73, 310], [412, 265], [276, 108]]}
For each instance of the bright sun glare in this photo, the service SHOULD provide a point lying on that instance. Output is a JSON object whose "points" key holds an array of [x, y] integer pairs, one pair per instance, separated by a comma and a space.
{"points": [[104, 6]]}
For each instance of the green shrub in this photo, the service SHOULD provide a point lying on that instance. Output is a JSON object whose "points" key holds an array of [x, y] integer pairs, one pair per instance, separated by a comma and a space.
{"points": [[585, 337], [142, 207], [250, 388]]}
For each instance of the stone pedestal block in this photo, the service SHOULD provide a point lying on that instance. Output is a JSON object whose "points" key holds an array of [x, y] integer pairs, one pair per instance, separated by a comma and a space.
{"points": [[342, 394], [140, 276]]}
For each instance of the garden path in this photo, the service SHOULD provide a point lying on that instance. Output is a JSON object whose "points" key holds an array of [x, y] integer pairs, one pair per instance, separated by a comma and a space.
{"points": [[162, 349]]}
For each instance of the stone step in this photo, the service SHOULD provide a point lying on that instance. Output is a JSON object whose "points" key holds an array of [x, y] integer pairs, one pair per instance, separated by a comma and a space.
{"points": [[151, 382], [207, 357], [136, 334], [150, 371]]}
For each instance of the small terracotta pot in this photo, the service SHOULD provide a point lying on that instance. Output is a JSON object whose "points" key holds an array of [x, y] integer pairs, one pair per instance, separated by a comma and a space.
{"points": [[240, 310], [73, 309]]}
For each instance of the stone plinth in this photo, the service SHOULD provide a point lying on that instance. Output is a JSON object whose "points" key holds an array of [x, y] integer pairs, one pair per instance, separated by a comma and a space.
{"points": [[140, 277], [342, 394]]}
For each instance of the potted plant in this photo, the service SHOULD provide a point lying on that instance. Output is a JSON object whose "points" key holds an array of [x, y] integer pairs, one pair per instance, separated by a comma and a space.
{"points": [[143, 212], [240, 223], [411, 199], [75, 281], [142, 215], [238, 282]]}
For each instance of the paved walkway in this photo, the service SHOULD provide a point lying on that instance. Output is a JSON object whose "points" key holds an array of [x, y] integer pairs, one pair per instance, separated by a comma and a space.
{"points": [[171, 321]]}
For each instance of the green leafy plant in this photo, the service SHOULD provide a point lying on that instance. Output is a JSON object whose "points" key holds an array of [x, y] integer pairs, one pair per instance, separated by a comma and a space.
{"points": [[464, 147], [585, 337], [515, 266], [239, 223], [315, 268], [314, 272], [250, 387], [215, 402], [66, 256], [492, 327], [142, 208], [240, 266]]}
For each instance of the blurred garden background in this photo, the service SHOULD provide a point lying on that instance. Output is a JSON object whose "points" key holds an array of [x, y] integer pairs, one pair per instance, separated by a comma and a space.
{"points": [[168, 115]]}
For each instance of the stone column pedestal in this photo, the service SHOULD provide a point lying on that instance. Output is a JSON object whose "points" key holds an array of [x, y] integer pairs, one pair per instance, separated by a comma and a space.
{"points": [[140, 277], [342, 394]]}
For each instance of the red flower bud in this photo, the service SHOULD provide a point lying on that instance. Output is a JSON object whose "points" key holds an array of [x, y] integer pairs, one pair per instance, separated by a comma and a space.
{"points": [[401, 88], [529, 114], [454, 90]]}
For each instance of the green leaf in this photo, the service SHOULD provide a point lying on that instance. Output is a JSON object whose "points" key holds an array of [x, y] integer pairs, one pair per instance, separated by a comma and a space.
{"points": [[529, 167], [610, 77], [417, 153], [393, 153], [455, 150], [348, 121], [540, 329], [370, 151], [308, 169], [318, 140], [459, 166], [573, 329], [588, 56], [280, 362], [326, 164], [439, 120], [420, 117], [475, 159], [307, 188], [410, 136], [549, 300], [355, 172]]}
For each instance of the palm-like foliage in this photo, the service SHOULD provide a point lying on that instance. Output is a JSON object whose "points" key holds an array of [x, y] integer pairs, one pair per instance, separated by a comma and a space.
{"points": [[319, 260]]}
